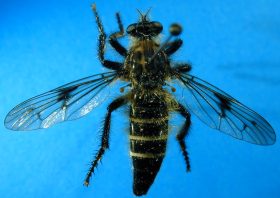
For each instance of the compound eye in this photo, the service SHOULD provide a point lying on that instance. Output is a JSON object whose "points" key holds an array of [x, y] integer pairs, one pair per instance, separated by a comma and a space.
{"points": [[157, 27], [130, 29]]}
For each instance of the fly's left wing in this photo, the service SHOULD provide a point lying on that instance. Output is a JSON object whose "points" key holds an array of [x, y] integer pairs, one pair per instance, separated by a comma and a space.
{"points": [[67, 102], [220, 111]]}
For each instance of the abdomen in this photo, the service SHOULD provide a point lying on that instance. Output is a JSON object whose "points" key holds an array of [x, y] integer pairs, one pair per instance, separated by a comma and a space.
{"points": [[148, 138]]}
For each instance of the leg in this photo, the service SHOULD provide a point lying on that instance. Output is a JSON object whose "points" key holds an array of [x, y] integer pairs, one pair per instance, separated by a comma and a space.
{"points": [[181, 68], [173, 47], [105, 136], [101, 45], [113, 38], [183, 133]]}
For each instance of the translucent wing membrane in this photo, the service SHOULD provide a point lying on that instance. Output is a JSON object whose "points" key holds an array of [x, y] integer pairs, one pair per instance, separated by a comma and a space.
{"points": [[67, 102], [220, 111]]}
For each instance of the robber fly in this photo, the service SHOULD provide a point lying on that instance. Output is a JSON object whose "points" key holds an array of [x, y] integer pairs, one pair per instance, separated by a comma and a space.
{"points": [[148, 74]]}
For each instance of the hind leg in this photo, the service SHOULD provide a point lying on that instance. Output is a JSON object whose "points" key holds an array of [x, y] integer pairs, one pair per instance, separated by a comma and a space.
{"points": [[105, 136], [183, 134]]}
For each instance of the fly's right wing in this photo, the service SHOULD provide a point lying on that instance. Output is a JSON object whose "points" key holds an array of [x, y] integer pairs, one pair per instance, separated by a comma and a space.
{"points": [[67, 102], [220, 111]]}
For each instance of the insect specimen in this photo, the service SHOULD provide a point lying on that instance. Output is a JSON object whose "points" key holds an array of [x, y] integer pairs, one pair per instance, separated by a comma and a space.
{"points": [[147, 73]]}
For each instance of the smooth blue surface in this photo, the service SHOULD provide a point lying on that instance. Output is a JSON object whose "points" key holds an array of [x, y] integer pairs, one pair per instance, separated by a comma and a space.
{"points": [[233, 44]]}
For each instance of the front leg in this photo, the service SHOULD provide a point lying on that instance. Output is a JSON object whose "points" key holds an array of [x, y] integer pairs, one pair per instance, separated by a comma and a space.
{"points": [[101, 45], [105, 136], [113, 38], [172, 47]]}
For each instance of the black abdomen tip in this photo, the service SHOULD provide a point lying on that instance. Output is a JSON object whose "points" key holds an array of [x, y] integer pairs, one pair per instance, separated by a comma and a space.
{"points": [[144, 173], [143, 181]]}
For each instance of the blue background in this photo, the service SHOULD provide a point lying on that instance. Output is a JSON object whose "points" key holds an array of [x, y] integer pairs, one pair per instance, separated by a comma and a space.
{"points": [[43, 44]]}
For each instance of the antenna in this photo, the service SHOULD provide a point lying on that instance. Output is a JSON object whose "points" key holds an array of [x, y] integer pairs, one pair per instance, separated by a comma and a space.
{"points": [[141, 15], [145, 16]]}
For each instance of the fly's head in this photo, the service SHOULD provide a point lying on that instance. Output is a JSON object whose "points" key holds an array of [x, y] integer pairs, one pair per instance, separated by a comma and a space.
{"points": [[144, 29]]}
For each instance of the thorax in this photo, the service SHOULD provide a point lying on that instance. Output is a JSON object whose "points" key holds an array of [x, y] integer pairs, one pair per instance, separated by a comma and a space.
{"points": [[144, 67]]}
